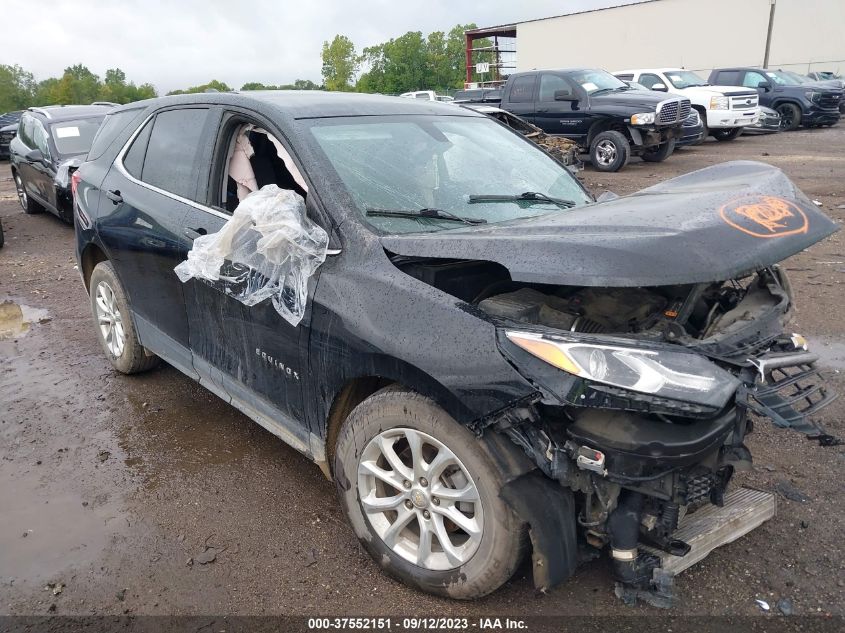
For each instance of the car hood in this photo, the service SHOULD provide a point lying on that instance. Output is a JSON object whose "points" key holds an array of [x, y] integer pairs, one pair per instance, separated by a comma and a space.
{"points": [[715, 224], [733, 91], [633, 98]]}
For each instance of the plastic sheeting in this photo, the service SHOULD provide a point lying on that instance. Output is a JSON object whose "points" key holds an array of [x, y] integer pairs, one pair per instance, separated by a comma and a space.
{"points": [[267, 250], [63, 173]]}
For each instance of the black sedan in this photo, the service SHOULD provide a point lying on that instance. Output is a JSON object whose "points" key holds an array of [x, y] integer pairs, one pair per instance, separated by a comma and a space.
{"points": [[768, 123]]}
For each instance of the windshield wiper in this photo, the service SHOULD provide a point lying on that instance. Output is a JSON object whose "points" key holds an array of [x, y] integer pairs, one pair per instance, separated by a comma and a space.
{"points": [[528, 196], [437, 214]]}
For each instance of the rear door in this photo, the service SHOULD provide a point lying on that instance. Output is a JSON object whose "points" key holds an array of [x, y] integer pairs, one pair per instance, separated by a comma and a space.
{"points": [[557, 116], [520, 97], [146, 196]]}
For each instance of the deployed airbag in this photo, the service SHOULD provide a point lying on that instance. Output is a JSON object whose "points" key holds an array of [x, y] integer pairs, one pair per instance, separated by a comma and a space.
{"points": [[267, 250]]}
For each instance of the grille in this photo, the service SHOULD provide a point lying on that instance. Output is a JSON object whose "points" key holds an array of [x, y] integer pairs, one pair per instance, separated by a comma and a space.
{"points": [[672, 111], [744, 102], [830, 100], [698, 488]]}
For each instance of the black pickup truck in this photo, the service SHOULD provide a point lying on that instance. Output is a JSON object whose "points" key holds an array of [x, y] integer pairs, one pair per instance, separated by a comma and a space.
{"points": [[602, 114]]}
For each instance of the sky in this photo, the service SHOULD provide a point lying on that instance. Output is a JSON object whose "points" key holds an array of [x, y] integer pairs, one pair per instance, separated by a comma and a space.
{"points": [[184, 43]]}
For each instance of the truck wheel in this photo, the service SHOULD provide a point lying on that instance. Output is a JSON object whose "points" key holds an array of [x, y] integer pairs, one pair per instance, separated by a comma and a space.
{"points": [[790, 116], [660, 153], [727, 134], [29, 205], [114, 323], [422, 495], [609, 151]]}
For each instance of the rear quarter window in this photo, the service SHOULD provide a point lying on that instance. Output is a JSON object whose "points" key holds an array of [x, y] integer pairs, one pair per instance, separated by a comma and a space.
{"points": [[112, 127]]}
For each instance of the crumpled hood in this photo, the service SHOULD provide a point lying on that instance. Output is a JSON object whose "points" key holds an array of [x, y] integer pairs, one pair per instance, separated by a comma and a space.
{"points": [[718, 223]]}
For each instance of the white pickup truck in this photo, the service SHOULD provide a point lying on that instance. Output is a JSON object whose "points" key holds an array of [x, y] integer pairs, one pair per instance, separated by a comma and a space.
{"points": [[724, 110]]}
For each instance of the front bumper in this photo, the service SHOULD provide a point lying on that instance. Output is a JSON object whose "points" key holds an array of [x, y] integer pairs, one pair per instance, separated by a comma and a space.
{"points": [[817, 116], [717, 119]]}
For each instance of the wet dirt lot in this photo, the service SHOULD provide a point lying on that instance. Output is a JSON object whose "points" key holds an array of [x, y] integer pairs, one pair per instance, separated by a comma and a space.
{"points": [[148, 495]]}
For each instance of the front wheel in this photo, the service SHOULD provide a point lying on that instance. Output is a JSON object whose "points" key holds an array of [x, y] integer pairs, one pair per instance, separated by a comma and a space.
{"points": [[727, 134], [28, 204], [422, 495], [660, 153], [609, 151], [790, 116], [113, 321]]}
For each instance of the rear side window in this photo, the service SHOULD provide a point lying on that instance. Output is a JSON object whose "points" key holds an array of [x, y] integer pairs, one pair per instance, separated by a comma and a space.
{"points": [[112, 126], [522, 90], [728, 78], [172, 149]]}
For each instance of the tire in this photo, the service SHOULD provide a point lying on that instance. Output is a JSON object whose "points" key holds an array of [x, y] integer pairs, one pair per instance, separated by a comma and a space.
{"points": [[477, 567], [28, 204], [108, 302], [727, 134], [609, 151], [790, 116], [659, 154]]}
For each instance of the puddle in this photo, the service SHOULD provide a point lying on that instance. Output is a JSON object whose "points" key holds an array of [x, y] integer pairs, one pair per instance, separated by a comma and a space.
{"points": [[831, 352], [16, 320]]}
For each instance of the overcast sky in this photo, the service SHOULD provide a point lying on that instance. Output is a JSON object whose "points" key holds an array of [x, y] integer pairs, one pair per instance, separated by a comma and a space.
{"points": [[183, 43]]}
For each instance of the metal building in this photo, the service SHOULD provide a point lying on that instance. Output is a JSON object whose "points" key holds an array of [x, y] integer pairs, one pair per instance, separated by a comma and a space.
{"points": [[799, 35]]}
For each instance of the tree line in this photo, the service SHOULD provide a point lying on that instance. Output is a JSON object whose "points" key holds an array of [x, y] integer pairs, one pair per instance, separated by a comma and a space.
{"points": [[402, 64]]}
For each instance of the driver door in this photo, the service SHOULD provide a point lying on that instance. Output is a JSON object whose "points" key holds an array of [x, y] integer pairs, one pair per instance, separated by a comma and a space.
{"points": [[557, 116]]}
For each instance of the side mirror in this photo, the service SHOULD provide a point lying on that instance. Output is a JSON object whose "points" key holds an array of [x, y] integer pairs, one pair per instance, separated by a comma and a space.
{"points": [[564, 95], [660, 87], [34, 156], [764, 85]]}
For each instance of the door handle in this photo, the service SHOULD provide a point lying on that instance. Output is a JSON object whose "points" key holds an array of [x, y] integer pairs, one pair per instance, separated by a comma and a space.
{"points": [[194, 233], [114, 196]]}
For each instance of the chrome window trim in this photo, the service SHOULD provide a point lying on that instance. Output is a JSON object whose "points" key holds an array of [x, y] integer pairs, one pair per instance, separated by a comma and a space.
{"points": [[118, 162]]}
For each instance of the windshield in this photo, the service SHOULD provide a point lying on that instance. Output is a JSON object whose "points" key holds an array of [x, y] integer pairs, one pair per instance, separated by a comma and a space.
{"points": [[75, 137], [801, 79], [412, 163], [782, 79], [685, 79], [595, 80]]}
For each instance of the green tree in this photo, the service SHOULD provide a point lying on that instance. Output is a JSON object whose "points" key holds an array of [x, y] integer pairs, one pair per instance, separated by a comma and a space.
{"points": [[340, 63], [214, 84], [17, 88], [77, 85]]}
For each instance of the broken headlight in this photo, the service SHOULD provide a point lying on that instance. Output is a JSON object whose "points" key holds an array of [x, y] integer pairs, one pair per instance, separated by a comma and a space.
{"points": [[664, 373]]}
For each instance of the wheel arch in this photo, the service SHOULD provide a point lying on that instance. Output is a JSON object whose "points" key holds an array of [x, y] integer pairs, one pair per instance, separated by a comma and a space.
{"points": [[782, 100], [91, 256], [606, 125]]}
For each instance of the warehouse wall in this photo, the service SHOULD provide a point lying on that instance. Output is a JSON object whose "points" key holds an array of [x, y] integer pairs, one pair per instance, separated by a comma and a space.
{"points": [[694, 34]]}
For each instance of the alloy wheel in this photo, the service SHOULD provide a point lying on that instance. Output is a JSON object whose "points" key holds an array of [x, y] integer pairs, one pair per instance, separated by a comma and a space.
{"points": [[22, 197], [420, 499], [606, 152], [109, 320]]}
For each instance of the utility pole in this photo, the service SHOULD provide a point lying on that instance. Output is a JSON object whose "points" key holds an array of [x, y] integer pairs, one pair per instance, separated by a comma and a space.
{"points": [[769, 33]]}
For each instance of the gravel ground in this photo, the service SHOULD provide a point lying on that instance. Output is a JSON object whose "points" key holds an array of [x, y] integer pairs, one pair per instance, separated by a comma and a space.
{"points": [[116, 491]]}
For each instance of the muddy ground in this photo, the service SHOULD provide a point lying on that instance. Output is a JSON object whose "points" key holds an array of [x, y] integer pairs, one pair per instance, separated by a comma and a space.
{"points": [[113, 489]]}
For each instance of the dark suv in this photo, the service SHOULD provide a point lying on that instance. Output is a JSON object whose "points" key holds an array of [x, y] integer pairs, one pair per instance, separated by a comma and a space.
{"points": [[798, 103], [435, 311], [50, 145], [8, 130]]}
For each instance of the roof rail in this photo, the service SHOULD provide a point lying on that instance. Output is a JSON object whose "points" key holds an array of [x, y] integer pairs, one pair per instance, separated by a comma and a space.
{"points": [[42, 111], [105, 103]]}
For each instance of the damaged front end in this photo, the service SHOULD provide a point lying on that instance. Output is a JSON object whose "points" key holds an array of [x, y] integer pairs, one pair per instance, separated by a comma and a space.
{"points": [[643, 404], [645, 377]]}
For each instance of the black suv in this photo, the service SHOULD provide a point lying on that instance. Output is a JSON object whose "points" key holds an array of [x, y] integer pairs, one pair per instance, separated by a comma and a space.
{"points": [[51, 143], [435, 311], [603, 114], [798, 103], [8, 130]]}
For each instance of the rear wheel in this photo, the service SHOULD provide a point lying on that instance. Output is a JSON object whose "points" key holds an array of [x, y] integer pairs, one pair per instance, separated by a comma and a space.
{"points": [[422, 495], [660, 153], [609, 151], [114, 323], [29, 205], [790, 116], [727, 134]]}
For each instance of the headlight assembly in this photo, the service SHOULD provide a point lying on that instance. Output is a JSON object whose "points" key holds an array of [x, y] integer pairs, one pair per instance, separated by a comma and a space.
{"points": [[719, 103], [664, 373], [812, 95], [644, 118]]}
